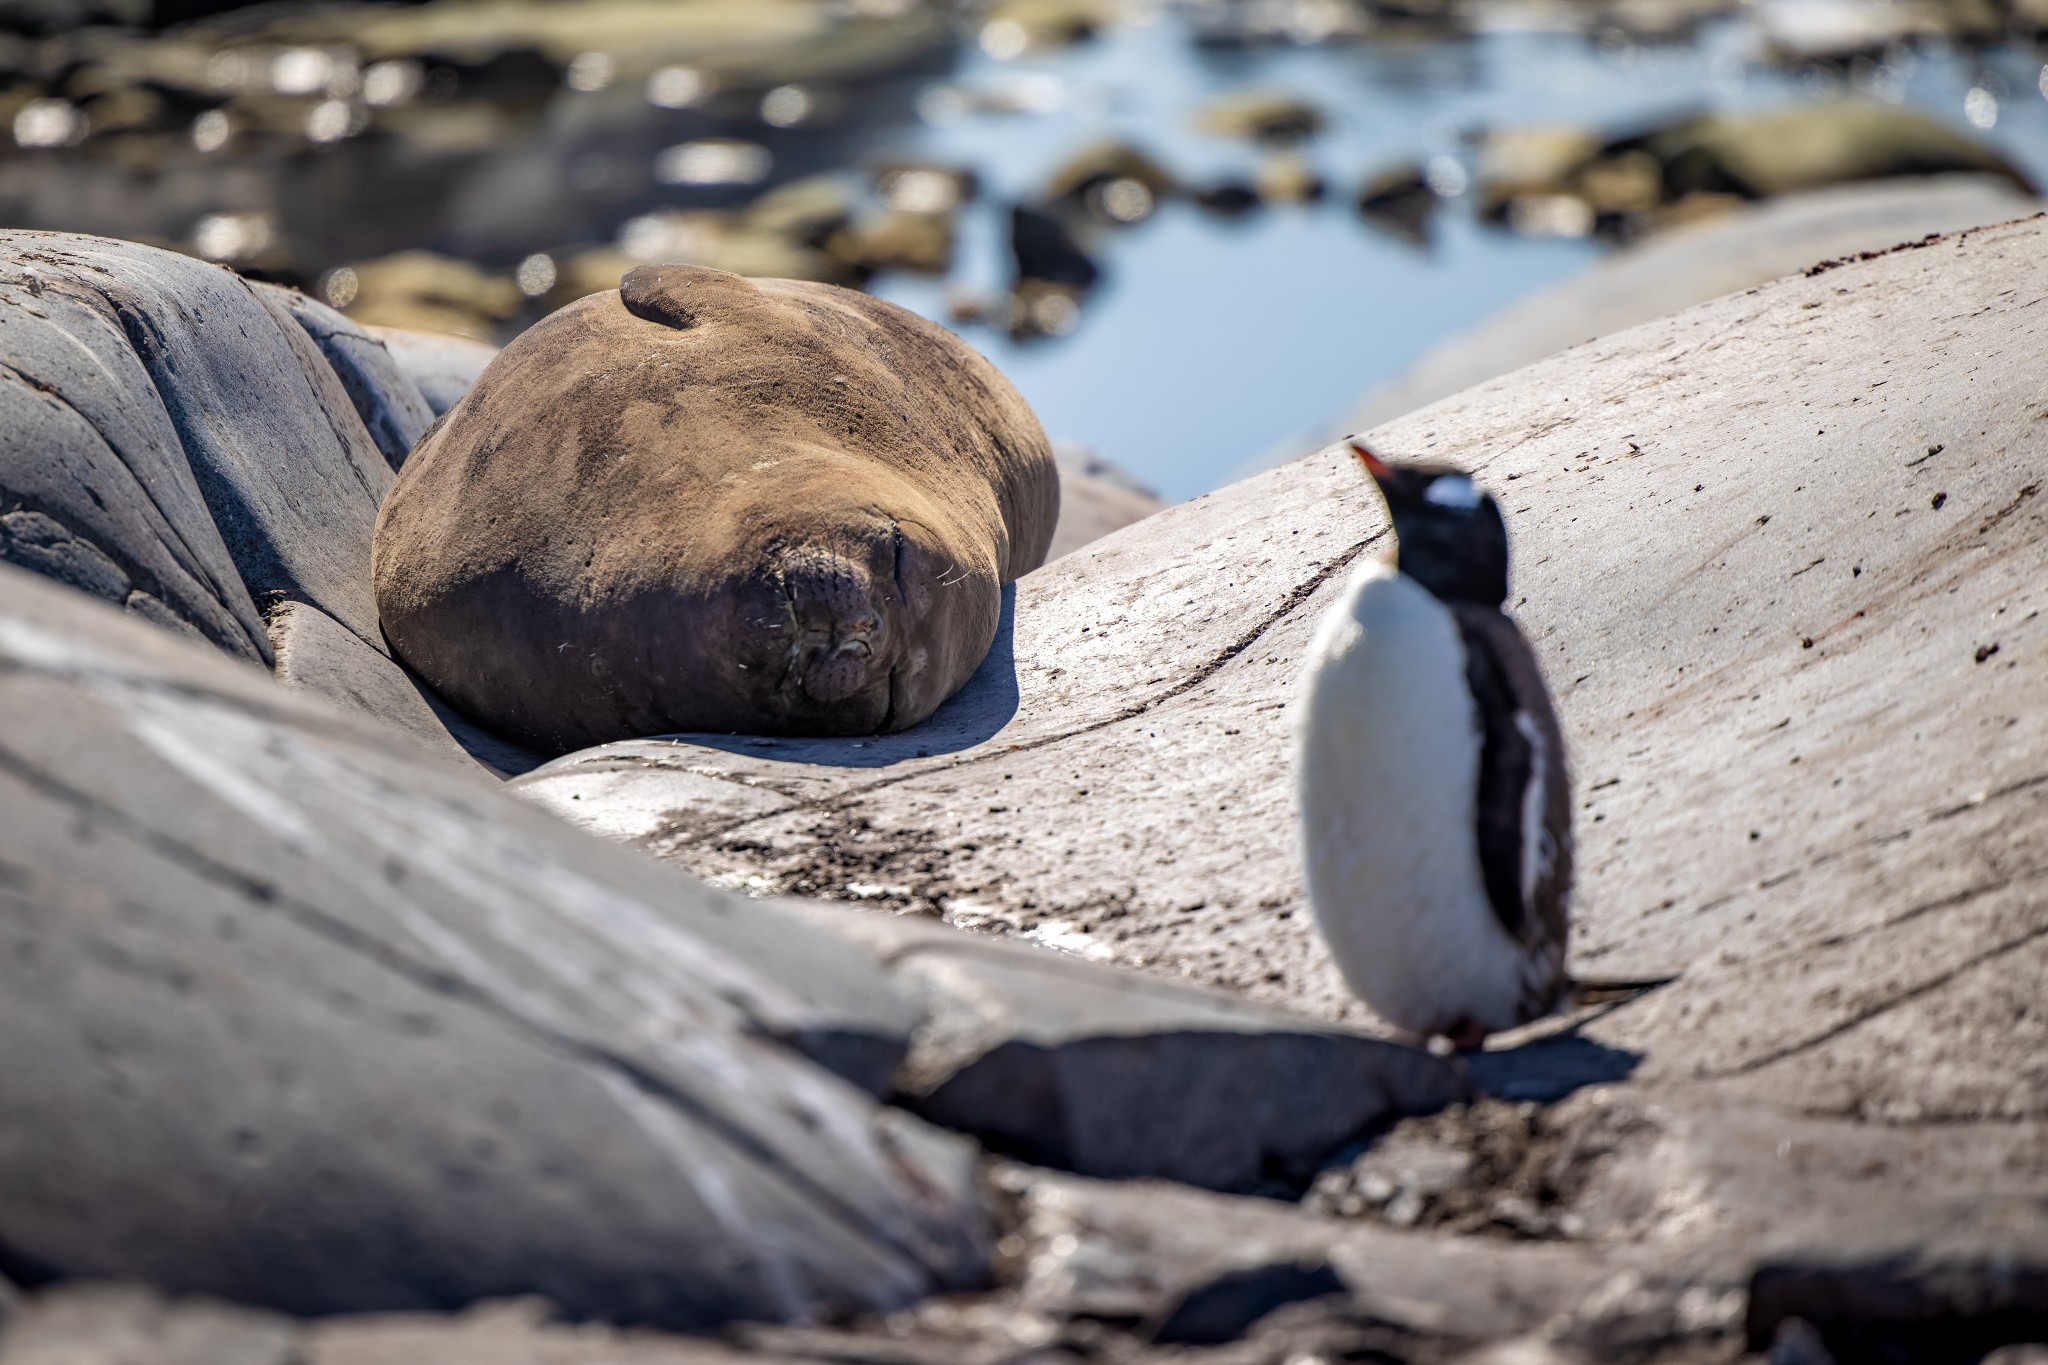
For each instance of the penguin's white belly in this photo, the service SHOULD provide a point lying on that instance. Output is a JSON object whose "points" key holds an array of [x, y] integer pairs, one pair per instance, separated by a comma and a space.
{"points": [[1387, 766]]}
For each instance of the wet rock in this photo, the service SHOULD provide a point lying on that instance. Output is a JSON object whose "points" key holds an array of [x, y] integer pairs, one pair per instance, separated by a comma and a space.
{"points": [[425, 292], [160, 391], [1226, 198], [798, 231], [1268, 116], [381, 1037], [732, 44], [1102, 163], [924, 186], [1775, 152], [1805, 31], [1248, 23], [1011, 28], [1066, 1063], [1290, 180], [1045, 250], [442, 367], [921, 243], [1689, 266], [1558, 181], [1402, 201], [385, 397], [1096, 498]]}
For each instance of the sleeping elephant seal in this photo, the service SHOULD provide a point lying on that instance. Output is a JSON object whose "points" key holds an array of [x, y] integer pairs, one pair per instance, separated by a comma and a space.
{"points": [[719, 504]]}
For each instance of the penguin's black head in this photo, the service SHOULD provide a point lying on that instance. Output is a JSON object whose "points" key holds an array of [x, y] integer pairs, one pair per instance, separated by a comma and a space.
{"points": [[1452, 538]]}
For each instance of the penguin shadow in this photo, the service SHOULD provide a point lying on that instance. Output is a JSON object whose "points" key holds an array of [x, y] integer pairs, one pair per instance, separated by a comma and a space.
{"points": [[974, 714], [1546, 1068]]}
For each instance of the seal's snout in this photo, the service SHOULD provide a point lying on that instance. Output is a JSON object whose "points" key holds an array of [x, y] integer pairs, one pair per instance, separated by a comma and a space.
{"points": [[837, 627]]}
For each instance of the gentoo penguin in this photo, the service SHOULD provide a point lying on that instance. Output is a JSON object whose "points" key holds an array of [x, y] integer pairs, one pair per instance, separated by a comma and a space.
{"points": [[1435, 802]]}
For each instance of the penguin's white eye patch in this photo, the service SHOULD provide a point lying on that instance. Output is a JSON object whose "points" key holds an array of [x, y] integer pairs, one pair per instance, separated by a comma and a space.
{"points": [[1452, 490]]}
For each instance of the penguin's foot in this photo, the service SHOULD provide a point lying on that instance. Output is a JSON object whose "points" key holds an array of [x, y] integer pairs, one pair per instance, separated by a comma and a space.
{"points": [[1466, 1034]]}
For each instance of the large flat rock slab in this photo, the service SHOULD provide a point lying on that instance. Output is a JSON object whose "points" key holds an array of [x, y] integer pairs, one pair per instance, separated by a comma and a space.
{"points": [[300, 1015], [1783, 558]]}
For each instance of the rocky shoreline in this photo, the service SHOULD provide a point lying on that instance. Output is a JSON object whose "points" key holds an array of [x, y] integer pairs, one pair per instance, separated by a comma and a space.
{"points": [[313, 1015]]}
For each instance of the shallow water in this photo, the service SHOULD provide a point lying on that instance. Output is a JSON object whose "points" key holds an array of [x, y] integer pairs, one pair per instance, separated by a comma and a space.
{"points": [[1214, 345]]}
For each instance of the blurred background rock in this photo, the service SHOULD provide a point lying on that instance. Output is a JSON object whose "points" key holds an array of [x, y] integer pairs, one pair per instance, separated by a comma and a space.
{"points": [[1192, 230]]}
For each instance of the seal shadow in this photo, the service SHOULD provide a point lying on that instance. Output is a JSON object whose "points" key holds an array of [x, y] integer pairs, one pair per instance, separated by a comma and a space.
{"points": [[982, 707]]}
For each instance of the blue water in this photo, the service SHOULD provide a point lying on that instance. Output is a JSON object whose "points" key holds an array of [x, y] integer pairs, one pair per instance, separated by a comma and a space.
{"points": [[1213, 345]]}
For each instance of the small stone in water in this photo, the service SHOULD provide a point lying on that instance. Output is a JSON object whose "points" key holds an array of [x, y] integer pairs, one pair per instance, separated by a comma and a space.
{"points": [[210, 131], [231, 236], [714, 161], [536, 274], [47, 123], [389, 83], [329, 121], [594, 71], [786, 106], [339, 286], [676, 87]]}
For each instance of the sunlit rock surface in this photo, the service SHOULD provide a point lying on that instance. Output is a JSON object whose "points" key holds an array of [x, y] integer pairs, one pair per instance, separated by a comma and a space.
{"points": [[1783, 557], [299, 1015]]}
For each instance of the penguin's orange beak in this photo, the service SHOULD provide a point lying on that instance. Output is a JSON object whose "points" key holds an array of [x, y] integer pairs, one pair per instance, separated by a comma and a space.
{"points": [[1374, 465]]}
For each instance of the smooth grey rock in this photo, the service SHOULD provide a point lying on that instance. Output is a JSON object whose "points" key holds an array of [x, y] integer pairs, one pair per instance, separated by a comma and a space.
{"points": [[316, 653], [385, 397], [1067, 1063], [282, 465], [1096, 498], [442, 367], [94, 476], [1765, 549], [1690, 265], [301, 1017]]}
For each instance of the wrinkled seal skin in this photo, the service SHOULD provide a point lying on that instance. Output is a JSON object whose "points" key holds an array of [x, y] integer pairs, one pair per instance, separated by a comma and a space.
{"points": [[715, 504]]}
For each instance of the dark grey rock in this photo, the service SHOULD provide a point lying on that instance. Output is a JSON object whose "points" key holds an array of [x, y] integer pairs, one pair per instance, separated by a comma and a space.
{"points": [[1226, 1307], [1924, 1307], [391, 405], [282, 465], [314, 652], [443, 367], [300, 1017], [1107, 1072], [93, 474]]}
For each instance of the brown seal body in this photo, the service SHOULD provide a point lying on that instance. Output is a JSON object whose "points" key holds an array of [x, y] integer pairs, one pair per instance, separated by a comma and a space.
{"points": [[717, 504]]}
